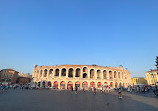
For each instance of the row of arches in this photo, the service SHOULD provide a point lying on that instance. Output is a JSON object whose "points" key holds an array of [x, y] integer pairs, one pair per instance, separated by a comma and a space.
{"points": [[84, 73], [85, 84]]}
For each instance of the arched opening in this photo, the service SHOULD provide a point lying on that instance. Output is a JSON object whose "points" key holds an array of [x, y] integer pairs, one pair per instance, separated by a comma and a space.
{"points": [[111, 84], [77, 84], [62, 85], [115, 73], [63, 72], [105, 84], [49, 84], [78, 72], [99, 85], [45, 73], [39, 83], [85, 70], [69, 85], [84, 75], [110, 74], [119, 75], [57, 72], [41, 73], [98, 74], [92, 73], [104, 74], [116, 85], [43, 84], [92, 84], [51, 72], [85, 85], [70, 74], [55, 85]]}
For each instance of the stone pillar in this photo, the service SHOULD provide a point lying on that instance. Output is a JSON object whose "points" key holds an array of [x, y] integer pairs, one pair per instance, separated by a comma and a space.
{"points": [[74, 86], [122, 75], [53, 72], [74, 73], [112, 75], [59, 73], [88, 73], [39, 74], [59, 85], [116, 75], [42, 74], [102, 77], [65, 85], [89, 85], [107, 77], [47, 73], [95, 74], [95, 84], [36, 74], [81, 73], [67, 73], [113, 85]]}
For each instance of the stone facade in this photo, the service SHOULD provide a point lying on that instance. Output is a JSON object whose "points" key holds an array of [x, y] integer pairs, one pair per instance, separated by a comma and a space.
{"points": [[21, 74], [64, 76], [139, 81], [23, 80], [8, 75], [152, 77]]}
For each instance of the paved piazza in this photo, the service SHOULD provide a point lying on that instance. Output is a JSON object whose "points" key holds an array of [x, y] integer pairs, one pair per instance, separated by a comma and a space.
{"points": [[87, 76], [52, 100]]}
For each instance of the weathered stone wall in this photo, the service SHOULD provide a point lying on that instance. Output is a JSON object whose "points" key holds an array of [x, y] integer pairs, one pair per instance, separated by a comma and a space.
{"points": [[113, 76]]}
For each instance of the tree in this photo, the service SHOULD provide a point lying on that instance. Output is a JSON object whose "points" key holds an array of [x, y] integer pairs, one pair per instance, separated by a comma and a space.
{"points": [[156, 62]]}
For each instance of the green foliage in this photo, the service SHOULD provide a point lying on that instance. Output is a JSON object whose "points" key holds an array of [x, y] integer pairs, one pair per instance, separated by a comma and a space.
{"points": [[156, 62]]}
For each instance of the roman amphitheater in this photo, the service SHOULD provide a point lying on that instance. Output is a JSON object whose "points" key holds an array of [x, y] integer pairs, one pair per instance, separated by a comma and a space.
{"points": [[82, 76]]}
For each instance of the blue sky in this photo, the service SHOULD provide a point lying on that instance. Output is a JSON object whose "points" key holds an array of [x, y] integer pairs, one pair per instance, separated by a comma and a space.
{"points": [[104, 32]]}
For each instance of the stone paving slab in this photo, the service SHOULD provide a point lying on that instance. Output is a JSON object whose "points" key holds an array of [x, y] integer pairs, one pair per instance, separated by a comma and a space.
{"points": [[42, 100]]}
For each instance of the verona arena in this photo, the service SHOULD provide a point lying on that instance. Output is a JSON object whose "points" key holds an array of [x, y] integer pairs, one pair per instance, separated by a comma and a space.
{"points": [[83, 76]]}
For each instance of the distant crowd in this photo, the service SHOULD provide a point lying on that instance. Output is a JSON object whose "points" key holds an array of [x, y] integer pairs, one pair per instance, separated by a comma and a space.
{"points": [[103, 89]]}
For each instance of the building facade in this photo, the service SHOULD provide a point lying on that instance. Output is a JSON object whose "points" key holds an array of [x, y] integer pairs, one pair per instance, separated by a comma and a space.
{"points": [[87, 76], [139, 81], [24, 78], [8, 75], [152, 76]]}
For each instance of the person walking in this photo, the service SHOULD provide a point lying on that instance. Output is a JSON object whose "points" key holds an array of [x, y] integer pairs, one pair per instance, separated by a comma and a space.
{"points": [[6, 88], [120, 93], [130, 89], [2, 87], [94, 90], [72, 89], [76, 88]]}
